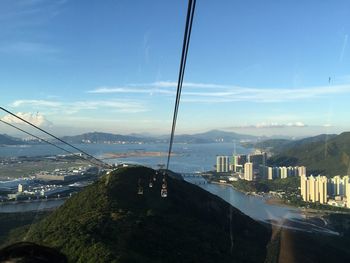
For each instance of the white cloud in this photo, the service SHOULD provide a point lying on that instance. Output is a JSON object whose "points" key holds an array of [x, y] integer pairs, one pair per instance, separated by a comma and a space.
{"points": [[130, 90], [35, 103], [37, 119], [121, 106], [215, 93], [264, 95], [126, 106], [172, 84]]}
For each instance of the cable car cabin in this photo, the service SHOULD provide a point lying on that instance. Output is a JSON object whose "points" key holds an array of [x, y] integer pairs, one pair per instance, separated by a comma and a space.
{"points": [[164, 193], [140, 190], [150, 184]]}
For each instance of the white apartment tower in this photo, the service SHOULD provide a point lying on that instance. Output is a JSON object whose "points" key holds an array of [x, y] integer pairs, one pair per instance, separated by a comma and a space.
{"points": [[222, 164], [248, 171]]}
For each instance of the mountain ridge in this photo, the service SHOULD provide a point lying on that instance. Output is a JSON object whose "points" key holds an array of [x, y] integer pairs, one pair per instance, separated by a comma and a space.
{"points": [[328, 155]]}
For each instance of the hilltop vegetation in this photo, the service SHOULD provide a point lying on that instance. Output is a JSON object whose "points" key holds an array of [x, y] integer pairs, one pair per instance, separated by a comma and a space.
{"points": [[277, 146], [109, 222], [329, 157]]}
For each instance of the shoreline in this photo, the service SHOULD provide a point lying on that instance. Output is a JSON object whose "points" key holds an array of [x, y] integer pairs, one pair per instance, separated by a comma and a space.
{"points": [[136, 154], [271, 200]]}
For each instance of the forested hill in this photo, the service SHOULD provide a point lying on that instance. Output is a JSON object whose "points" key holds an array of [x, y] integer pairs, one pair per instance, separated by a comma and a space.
{"points": [[329, 157], [110, 222]]}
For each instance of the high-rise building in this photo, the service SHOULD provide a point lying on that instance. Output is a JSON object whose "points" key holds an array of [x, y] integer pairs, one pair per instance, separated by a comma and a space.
{"points": [[248, 171], [276, 172], [20, 188], [301, 170], [269, 173], [291, 171], [303, 188], [347, 191], [283, 172], [322, 189], [336, 186], [314, 189], [222, 164]]}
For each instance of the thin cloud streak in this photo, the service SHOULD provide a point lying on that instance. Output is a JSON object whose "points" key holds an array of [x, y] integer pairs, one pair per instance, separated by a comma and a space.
{"points": [[125, 106], [38, 103], [107, 90], [215, 93]]}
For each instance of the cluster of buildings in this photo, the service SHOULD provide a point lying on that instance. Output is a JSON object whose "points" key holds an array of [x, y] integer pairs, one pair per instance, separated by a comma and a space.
{"points": [[47, 183], [66, 175], [252, 165], [236, 163], [333, 191], [37, 191], [281, 172]]}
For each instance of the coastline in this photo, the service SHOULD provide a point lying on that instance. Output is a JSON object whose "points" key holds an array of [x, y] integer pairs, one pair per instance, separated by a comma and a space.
{"points": [[271, 200], [136, 154]]}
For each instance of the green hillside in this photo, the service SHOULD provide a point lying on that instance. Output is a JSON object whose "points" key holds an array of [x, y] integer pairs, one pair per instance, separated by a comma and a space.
{"points": [[109, 222], [277, 146], [331, 157]]}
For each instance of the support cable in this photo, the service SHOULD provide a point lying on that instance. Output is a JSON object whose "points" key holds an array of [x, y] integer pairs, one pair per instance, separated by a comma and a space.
{"points": [[55, 137], [186, 41], [46, 141]]}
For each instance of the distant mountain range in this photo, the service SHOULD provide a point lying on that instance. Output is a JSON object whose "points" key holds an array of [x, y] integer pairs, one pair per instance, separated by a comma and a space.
{"points": [[279, 145], [101, 137], [207, 137], [213, 136], [325, 154]]}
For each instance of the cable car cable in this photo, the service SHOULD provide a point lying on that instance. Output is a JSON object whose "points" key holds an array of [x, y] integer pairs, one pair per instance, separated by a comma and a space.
{"points": [[50, 134], [46, 141], [186, 41]]}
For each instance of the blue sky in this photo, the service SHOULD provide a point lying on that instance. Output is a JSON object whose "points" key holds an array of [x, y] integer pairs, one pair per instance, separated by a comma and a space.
{"points": [[259, 67]]}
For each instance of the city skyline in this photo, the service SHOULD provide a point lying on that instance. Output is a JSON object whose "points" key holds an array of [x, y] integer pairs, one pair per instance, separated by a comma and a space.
{"points": [[260, 71]]}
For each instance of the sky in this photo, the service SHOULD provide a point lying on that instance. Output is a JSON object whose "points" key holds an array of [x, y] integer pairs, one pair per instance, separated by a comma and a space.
{"points": [[257, 67]]}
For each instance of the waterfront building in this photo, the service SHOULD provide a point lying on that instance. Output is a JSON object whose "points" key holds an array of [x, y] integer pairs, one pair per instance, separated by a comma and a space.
{"points": [[222, 164], [281, 171], [314, 189], [322, 189], [347, 191], [248, 171], [336, 186], [303, 188]]}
